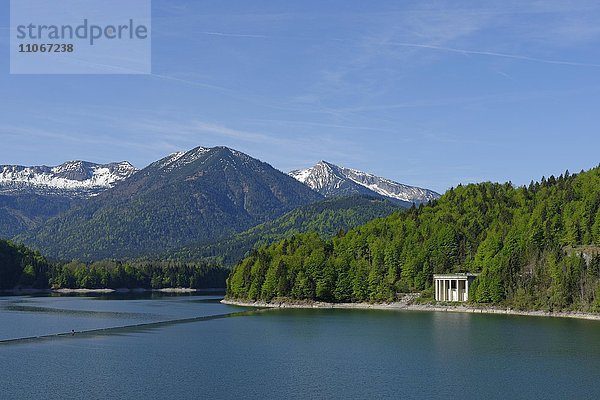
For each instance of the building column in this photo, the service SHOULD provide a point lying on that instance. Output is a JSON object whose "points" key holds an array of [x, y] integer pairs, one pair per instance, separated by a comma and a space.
{"points": [[443, 290], [467, 290], [457, 290], [437, 290], [457, 296], [456, 293]]}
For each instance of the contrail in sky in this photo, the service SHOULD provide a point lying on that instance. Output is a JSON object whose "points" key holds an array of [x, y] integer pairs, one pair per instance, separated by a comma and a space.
{"points": [[493, 54], [442, 48], [240, 35]]}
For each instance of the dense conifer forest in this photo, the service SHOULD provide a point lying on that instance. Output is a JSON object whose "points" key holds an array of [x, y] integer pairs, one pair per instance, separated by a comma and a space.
{"points": [[535, 248], [22, 267]]}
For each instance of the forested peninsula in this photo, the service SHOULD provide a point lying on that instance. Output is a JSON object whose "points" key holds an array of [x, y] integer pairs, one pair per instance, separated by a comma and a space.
{"points": [[535, 247]]}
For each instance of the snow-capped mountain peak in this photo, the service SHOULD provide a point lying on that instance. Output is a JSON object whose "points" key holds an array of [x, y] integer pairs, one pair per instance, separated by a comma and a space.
{"points": [[332, 180], [180, 159], [71, 179], [322, 177]]}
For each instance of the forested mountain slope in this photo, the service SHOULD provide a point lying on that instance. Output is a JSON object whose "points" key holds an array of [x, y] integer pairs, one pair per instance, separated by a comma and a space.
{"points": [[327, 217], [21, 212], [21, 266]]}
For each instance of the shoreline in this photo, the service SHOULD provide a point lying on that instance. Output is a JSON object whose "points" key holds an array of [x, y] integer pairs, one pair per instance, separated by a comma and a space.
{"points": [[29, 291], [401, 306]]}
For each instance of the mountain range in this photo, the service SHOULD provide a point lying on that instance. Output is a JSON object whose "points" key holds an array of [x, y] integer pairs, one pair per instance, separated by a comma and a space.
{"points": [[29, 196], [74, 179], [201, 195], [331, 180], [186, 200]]}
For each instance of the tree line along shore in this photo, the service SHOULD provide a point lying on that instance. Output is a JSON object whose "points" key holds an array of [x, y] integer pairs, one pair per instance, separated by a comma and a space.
{"points": [[22, 268]]}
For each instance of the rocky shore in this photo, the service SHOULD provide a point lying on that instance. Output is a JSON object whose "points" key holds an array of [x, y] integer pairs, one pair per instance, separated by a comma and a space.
{"points": [[407, 305]]}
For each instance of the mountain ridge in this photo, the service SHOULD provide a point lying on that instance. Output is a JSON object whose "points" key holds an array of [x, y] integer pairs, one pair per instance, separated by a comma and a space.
{"points": [[31, 195], [76, 179], [332, 180]]}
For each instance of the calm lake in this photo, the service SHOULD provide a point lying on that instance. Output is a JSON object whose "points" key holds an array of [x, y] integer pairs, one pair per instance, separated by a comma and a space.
{"points": [[193, 347]]}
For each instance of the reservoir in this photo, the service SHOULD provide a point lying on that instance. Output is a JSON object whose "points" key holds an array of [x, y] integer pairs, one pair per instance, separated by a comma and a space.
{"points": [[150, 346]]}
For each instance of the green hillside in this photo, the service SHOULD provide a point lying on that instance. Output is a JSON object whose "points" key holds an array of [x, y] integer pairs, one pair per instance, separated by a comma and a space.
{"points": [[21, 212], [326, 217], [523, 241], [21, 266]]}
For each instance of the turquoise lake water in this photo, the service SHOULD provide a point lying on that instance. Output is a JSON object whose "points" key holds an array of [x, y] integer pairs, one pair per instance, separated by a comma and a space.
{"points": [[193, 347]]}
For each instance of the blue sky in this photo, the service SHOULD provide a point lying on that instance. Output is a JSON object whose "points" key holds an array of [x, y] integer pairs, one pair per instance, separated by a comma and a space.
{"points": [[426, 93]]}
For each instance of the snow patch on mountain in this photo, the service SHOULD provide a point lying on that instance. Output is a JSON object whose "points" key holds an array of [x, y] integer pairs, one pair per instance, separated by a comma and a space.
{"points": [[332, 180], [166, 163], [191, 156], [72, 179], [180, 159]]}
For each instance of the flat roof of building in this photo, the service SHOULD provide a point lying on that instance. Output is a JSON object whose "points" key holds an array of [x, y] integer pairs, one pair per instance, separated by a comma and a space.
{"points": [[458, 275]]}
